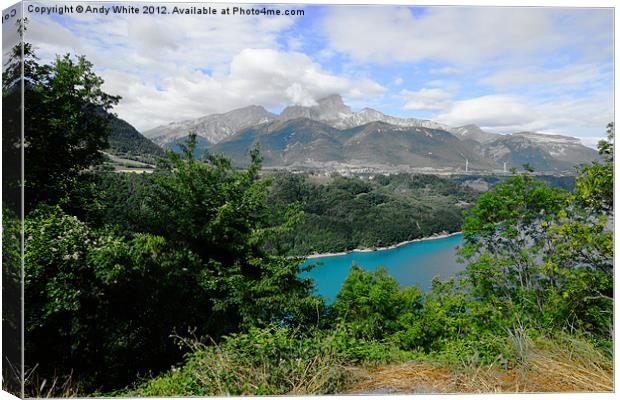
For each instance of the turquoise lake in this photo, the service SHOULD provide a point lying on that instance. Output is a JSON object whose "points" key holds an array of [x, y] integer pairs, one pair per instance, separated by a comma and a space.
{"points": [[410, 264]]}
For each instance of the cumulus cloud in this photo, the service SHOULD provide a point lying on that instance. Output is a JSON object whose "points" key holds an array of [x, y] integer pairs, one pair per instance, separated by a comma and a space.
{"points": [[176, 68], [257, 76]]}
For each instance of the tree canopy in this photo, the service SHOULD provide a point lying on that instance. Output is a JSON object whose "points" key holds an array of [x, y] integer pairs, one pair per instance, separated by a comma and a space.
{"points": [[64, 128]]}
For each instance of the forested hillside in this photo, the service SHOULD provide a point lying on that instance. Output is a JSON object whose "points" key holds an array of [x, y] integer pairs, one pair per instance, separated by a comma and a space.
{"points": [[124, 140], [343, 213]]}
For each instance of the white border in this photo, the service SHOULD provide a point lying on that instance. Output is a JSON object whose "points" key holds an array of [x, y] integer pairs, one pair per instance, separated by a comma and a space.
{"points": [[521, 3]]}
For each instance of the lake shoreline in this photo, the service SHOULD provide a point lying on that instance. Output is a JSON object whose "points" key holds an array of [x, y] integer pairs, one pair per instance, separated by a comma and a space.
{"points": [[367, 250]]}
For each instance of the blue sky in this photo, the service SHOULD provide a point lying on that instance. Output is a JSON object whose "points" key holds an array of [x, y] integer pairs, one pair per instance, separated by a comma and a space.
{"points": [[506, 69]]}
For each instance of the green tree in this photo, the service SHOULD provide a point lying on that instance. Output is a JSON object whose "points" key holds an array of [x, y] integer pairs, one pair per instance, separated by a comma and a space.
{"points": [[581, 263], [366, 302], [595, 184], [106, 306], [220, 215], [546, 254], [373, 305], [67, 269], [64, 126], [505, 236]]}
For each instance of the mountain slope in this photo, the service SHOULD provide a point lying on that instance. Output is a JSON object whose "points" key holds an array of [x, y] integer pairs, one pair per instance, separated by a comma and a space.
{"points": [[329, 133], [561, 148], [474, 133], [213, 128], [540, 151], [125, 140], [305, 142], [387, 144], [284, 143], [332, 111]]}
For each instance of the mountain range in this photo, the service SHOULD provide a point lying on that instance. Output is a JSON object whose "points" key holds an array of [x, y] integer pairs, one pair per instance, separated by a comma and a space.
{"points": [[330, 135]]}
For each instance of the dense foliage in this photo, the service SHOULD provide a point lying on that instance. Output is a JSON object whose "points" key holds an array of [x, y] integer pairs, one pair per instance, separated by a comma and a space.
{"points": [[122, 269], [106, 305], [103, 300], [540, 270], [545, 254]]}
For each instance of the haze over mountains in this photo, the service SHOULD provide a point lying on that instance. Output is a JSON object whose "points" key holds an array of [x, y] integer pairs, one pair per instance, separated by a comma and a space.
{"points": [[330, 135]]}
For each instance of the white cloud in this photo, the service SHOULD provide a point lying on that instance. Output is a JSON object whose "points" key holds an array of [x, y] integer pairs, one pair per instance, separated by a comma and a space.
{"points": [[364, 87], [489, 111], [582, 116], [154, 43], [187, 66], [575, 75], [178, 67], [466, 36], [300, 95], [445, 71], [426, 99], [257, 76]]}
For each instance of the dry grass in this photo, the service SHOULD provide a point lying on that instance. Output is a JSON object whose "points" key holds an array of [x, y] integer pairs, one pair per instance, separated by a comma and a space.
{"points": [[576, 368], [54, 387], [410, 377], [11, 379], [550, 366]]}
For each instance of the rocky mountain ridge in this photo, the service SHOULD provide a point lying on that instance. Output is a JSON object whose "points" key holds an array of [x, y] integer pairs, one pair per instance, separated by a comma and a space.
{"points": [[331, 110], [214, 128], [330, 132]]}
